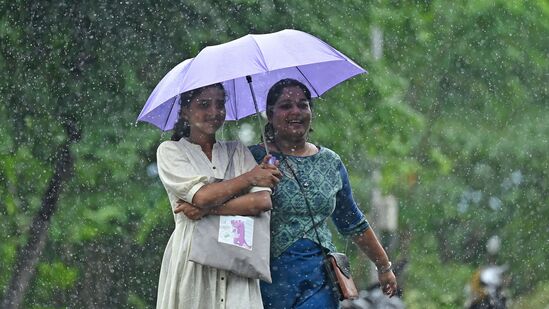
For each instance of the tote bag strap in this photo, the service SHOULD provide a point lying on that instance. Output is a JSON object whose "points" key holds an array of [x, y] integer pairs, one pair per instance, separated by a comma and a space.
{"points": [[229, 169]]}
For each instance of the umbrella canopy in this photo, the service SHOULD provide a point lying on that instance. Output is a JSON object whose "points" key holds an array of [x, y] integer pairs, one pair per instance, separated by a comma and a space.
{"points": [[266, 58]]}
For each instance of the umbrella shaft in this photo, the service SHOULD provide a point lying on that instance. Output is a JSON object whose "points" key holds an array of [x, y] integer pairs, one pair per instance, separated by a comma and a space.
{"points": [[258, 115]]}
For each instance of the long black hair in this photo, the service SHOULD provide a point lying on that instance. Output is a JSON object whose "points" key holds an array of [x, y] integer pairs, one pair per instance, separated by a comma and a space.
{"points": [[182, 127], [274, 94]]}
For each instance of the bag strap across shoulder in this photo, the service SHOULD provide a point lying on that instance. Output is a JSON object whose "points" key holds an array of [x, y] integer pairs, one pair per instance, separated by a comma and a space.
{"points": [[230, 165], [309, 210], [326, 262]]}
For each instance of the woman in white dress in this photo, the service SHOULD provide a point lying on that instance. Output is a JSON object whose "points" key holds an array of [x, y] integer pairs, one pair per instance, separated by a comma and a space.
{"points": [[187, 166]]}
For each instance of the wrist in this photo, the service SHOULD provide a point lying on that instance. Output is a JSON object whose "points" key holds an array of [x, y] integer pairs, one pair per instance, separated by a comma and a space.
{"points": [[250, 179], [385, 268], [216, 209]]}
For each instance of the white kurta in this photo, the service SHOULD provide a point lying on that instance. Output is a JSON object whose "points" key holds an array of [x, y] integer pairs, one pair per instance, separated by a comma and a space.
{"points": [[184, 168]]}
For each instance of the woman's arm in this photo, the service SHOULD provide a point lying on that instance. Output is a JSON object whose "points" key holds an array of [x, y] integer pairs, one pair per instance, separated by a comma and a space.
{"points": [[350, 221], [368, 243], [251, 204], [173, 169], [215, 194]]}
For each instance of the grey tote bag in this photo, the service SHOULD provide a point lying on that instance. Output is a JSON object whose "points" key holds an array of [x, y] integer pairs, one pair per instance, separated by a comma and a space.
{"points": [[239, 244]]}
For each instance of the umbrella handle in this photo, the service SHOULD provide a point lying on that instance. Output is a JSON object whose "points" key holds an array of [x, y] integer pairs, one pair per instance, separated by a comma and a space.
{"points": [[258, 115]]}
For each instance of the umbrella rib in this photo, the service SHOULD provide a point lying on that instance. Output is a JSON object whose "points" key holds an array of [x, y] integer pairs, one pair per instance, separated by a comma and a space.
{"points": [[264, 62], [309, 82], [184, 79], [169, 114], [234, 91]]}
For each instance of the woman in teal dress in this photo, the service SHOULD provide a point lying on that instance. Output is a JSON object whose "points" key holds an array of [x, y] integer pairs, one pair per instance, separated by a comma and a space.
{"points": [[299, 277]]}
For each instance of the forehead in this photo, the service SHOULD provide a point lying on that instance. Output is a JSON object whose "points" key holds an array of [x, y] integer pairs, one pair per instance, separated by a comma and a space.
{"points": [[293, 93], [211, 93]]}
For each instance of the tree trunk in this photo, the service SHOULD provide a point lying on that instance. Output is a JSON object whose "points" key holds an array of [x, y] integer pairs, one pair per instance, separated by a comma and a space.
{"points": [[28, 256]]}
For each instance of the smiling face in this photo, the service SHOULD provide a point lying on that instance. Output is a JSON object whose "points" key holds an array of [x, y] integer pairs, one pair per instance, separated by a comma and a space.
{"points": [[291, 114], [206, 112]]}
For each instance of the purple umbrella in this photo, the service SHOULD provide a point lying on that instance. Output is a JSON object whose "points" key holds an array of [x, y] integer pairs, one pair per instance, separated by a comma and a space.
{"points": [[263, 58]]}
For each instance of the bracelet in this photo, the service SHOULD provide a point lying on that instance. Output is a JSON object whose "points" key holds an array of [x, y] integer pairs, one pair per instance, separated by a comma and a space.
{"points": [[385, 269]]}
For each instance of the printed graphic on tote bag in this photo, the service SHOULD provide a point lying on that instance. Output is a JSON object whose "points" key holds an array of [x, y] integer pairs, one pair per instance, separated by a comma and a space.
{"points": [[237, 231]]}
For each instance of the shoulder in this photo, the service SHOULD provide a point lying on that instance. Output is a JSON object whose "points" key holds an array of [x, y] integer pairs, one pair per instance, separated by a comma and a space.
{"points": [[256, 147], [257, 151], [171, 149], [329, 160], [166, 146], [329, 154]]}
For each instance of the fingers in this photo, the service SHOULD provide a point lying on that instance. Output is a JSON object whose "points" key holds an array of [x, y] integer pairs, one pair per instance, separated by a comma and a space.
{"points": [[388, 284], [267, 175], [278, 174], [179, 208], [182, 206], [269, 162], [269, 159], [265, 162], [267, 166], [190, 212], [271, 169], [390, 289]]}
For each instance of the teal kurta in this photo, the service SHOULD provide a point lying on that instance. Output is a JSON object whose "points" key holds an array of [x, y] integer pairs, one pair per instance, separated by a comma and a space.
{"points": [[324, 184]]}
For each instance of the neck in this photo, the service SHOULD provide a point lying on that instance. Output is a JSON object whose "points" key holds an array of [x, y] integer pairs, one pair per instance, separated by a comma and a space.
{"points": [[292, 147], [205, 142]]}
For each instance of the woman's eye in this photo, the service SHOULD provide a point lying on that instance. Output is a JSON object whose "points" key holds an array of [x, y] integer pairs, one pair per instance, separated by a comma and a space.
{"points": [[304, 104], [220, 104]]}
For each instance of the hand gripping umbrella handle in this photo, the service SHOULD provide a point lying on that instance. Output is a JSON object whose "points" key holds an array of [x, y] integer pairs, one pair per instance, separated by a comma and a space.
{"points": [[258, 116]]}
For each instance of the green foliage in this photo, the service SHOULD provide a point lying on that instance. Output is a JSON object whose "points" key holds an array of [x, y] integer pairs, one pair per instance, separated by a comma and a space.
{"points": [[453, 116], [427, 288], [53, 281], [537, 299]]}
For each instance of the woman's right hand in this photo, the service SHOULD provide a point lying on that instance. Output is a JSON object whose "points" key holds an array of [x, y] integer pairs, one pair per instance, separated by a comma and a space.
{"points": [[265, 174], [190, 211]]}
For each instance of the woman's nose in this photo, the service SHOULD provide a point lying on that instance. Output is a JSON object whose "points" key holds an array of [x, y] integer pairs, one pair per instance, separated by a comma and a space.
{"points": [[217, 109], [295, 109]]}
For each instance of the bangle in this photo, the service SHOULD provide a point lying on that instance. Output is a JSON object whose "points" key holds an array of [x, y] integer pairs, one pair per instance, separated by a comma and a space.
{"points": [[385, 269]]}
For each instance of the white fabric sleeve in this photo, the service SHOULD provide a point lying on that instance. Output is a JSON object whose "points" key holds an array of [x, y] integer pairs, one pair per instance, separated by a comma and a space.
{"points": [[176, 172], [247, 162]]}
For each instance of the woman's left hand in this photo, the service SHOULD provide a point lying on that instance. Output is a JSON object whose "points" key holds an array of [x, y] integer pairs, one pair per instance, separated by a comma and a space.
{"points": [[190, 211], [388, 283]]}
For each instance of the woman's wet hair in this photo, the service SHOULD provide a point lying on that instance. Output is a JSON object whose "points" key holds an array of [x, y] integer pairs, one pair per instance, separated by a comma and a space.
{"points": [[274, 94], [182, 127]]}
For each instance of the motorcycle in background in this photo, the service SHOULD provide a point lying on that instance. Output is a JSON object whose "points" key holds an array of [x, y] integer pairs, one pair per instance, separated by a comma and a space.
{"points": [[486, 290], [487, 287]]}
